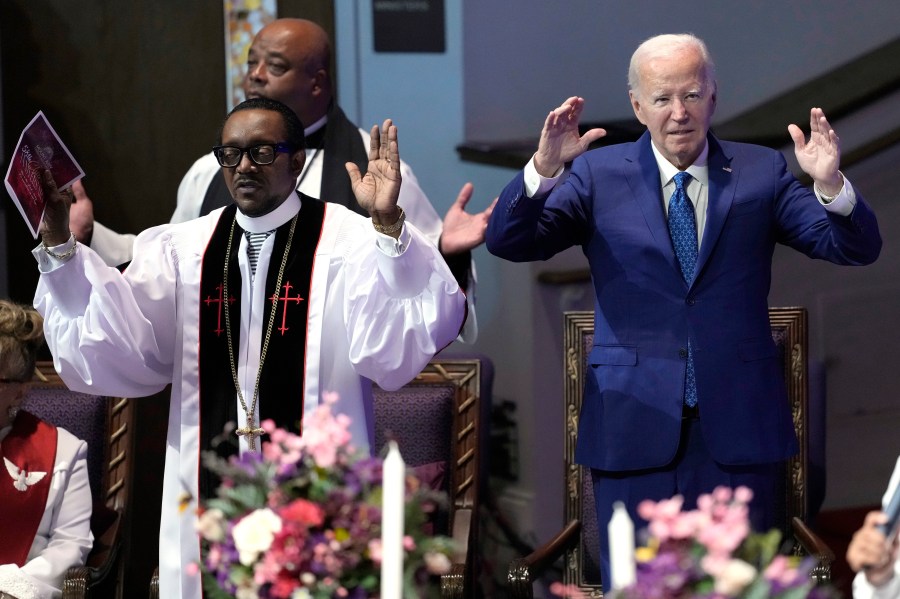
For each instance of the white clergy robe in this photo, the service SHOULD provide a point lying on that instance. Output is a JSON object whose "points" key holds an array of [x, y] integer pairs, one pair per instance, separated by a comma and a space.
{"points": [[372, 316]]}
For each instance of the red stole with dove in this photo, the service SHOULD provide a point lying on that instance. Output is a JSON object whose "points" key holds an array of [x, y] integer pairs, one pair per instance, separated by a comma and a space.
{"points": [[29, 455], [281, 386]]}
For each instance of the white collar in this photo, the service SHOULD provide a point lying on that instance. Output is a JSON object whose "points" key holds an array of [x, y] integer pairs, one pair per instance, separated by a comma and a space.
{"points": [[699, 170], [315, 126], [268, 222]]}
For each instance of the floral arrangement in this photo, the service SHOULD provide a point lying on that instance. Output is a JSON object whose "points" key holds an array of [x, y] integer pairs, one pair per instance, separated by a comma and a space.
{"points": [[302, 519], [711, 553]]}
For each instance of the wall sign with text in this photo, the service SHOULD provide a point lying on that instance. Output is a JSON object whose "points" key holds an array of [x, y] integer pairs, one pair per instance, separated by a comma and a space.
{"points": [[409, 25]]}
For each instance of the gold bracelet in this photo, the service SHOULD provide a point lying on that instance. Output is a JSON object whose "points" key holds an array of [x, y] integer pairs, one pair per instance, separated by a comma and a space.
{"points": [[66, 253], [391, 229]]}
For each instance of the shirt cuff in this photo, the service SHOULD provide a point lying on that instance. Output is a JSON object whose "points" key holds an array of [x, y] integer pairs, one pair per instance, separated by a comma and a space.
{"points": [[390, 246], [863, 589], [47, 262], [536, 184], [843, 203]]}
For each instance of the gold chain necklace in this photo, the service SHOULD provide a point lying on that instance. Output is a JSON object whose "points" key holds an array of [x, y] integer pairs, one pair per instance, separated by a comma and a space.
{"points": [[250, 430]]}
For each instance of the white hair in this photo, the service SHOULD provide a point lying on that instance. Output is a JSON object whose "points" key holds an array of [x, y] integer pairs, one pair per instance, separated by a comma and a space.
{"points": [[666, 45]]}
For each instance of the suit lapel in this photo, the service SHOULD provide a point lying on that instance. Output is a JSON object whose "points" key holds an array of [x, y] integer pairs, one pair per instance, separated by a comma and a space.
{"points": [[642, 174], [722, 184]]}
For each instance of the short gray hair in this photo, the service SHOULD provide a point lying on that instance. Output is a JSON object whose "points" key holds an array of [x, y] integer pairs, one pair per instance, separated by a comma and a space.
{"points": [[666, 44]]}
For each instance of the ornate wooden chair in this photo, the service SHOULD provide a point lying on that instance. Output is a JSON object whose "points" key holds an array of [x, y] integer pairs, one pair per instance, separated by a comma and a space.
{"points": [[439, 421], [106, 424], [578, 542]]}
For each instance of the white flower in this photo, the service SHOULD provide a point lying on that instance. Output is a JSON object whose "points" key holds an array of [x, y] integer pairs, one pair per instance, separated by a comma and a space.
{"points": [[437, 563], [211, 525], [301, 593], [247, 593], [734, 577], [254, 533]]}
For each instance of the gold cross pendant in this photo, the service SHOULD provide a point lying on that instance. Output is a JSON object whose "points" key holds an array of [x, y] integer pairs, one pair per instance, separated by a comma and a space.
{"points": [[251, 434]]}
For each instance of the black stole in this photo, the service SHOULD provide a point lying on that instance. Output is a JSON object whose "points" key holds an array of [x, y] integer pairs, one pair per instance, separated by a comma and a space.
{"points": [[340, 142], [343, 144], [281, 387]]}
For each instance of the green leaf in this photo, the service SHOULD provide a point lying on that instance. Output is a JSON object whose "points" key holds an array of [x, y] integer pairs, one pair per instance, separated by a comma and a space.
{"points": [[211, 588], [759, 589]]}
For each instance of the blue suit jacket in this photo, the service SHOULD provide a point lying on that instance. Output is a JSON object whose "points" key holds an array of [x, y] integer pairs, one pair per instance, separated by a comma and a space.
{"points": [[611, 204]]}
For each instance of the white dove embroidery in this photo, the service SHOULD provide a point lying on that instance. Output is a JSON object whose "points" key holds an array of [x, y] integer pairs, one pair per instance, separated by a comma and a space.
{"points": [[21, 479]]}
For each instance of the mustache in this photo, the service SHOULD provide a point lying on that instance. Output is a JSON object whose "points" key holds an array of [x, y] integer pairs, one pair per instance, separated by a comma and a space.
{"points": [[241, 180]]}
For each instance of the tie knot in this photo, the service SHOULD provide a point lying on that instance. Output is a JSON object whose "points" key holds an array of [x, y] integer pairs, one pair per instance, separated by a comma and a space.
{"points": [[681, 179], [257, 237]]}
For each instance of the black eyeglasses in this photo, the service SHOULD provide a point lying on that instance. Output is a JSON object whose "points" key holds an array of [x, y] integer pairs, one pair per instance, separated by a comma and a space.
{"points": [[261, 154]]}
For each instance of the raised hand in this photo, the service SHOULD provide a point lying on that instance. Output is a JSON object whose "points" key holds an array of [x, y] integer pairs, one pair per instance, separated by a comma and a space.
{"points": [[463, 231], [55, 226], [560, 141], [81, 214], [869, 550], [820, 157], [377, 191]]}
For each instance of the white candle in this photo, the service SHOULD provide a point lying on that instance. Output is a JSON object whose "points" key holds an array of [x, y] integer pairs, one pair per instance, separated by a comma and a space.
{"points": [[393, 499], [621, 547]]}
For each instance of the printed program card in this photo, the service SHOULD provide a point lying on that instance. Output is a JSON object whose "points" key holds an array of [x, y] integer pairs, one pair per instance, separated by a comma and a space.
{"points": [[39, 148]]}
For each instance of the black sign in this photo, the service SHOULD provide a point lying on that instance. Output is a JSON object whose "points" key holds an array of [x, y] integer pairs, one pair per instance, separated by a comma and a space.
{"points": [[408, 25]]}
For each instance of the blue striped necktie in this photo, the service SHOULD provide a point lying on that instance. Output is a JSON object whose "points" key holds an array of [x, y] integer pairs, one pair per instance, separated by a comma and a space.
{"points": [[683, 230], [254, 243]]}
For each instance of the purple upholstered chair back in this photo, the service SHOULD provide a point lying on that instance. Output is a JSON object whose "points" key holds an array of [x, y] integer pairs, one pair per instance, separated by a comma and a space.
{"points": [[83, 415], [419, 417], [439, 421], [441, 416], [105, 423]]}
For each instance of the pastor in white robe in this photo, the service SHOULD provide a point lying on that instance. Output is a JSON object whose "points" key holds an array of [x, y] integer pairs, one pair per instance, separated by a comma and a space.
{"points": [[379, 309]]}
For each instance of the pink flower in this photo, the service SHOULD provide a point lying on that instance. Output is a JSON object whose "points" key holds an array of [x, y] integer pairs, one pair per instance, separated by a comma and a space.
{"points": [[743, 495], [214, 557], [780, 571], [375, 551], [571, 590], [722, 494], [666, 519], [303, 512]]}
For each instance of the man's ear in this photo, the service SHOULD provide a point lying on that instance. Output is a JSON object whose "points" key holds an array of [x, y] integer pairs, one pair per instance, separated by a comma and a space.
{"points": [[298, 159], [636, 106], [321, 82]]}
